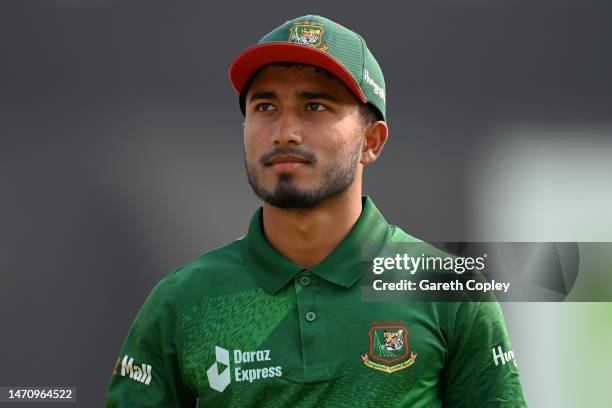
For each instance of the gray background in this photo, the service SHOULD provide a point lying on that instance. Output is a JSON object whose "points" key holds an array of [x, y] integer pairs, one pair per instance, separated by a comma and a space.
{"points": [[121, 154]]}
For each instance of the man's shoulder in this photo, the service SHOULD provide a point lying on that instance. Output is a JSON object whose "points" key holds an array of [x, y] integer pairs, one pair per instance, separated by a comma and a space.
{"points": [[399, 240], [207, 272], [412, 244], [223, 257], [396, 234]]}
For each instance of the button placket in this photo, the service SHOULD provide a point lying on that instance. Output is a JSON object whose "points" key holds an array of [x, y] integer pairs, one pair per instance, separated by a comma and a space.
{"points": [[305, 297], [311, 324]]}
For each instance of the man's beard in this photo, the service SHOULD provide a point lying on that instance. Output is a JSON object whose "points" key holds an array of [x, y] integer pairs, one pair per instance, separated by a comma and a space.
{"points": [[287, 195]]}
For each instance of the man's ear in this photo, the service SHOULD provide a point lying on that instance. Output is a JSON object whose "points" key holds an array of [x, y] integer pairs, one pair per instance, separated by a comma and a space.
{"points": [[374, 137]]}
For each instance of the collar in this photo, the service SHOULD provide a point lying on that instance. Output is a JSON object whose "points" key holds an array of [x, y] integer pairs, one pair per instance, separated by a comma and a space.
{"points": [[272, 270]]}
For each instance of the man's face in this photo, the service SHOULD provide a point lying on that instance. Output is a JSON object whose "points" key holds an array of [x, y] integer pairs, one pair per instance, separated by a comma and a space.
{"points": [[302, 136]]}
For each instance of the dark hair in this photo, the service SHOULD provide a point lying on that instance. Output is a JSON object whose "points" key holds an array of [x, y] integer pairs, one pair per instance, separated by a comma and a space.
{"points": [[367, 111]]}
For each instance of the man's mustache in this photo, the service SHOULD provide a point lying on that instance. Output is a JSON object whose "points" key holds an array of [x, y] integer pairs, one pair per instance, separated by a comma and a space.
{"points": [[307, 155]]}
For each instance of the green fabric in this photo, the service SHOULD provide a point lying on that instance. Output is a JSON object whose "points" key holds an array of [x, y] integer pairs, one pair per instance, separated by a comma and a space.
{"points": [[343, 266], [311, 332], [344, 45]]}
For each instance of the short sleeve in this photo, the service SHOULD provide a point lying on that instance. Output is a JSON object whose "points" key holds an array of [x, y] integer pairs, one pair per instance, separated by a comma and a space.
{"points": [[147, 372], [482, 369]]}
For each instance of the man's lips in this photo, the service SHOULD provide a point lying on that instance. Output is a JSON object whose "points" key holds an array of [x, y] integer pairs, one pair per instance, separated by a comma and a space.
{"points": [[287, 162]]}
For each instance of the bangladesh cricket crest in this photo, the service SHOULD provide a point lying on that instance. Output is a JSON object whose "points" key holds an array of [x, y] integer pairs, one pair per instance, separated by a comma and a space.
{"points": [[306, 33], [389, 351]]}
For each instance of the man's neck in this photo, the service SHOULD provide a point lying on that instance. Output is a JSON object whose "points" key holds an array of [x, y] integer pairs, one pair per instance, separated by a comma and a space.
{"points": [[308, 236]]}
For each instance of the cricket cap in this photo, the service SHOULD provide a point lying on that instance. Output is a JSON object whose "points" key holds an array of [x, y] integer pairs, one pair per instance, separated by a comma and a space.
{"points": [[317, 41]]}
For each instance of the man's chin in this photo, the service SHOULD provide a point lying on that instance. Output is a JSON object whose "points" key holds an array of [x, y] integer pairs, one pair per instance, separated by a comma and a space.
{"points": [[286, 191], [292, 199]]}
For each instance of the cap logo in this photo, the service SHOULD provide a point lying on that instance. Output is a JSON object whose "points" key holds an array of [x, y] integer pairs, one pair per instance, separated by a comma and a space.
{"points": [[378, 90], [306, 33]]}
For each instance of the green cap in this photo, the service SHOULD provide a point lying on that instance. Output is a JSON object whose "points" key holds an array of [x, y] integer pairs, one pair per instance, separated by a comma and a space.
{"points": [[317, 41]]}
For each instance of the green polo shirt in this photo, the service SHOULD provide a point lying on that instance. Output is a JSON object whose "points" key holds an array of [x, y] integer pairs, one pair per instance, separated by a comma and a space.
{"points": [[244, 326]]}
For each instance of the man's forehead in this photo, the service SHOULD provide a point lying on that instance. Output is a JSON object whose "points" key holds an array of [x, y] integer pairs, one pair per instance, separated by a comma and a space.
{"points": [[277, 73], [298, 80]]}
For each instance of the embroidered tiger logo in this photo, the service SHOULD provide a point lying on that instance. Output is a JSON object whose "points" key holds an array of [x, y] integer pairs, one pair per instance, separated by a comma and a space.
{"points": [[393, 339], [310, 36]]}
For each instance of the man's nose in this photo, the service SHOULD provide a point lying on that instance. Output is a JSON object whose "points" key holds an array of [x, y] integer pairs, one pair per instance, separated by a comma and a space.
{"points": [[288, 130]]}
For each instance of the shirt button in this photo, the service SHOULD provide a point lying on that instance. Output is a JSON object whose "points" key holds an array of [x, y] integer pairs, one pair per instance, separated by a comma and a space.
{"points": [[304, 280], [311, 316]]}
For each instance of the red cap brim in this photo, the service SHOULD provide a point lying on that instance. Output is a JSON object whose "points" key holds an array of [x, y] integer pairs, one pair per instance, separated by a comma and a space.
{"points": [[247, 63]]}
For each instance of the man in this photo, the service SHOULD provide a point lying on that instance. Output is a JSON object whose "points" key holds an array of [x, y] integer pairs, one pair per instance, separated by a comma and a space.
{"points": [[276, 317]]}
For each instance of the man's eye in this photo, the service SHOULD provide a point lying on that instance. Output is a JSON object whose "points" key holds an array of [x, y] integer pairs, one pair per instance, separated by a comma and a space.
{"points": [[313, 106], [264, 107]]}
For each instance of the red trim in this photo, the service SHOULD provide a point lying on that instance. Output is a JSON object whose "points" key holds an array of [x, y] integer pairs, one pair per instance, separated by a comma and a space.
{"points": [[257, 56], [389, 327]]}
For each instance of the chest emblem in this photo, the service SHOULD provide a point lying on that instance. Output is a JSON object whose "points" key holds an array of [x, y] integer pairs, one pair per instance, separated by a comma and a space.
{"points": [[389, 350]]}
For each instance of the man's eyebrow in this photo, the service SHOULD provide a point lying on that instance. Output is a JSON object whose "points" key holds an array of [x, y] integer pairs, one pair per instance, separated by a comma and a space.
{"points": [[317, 95], [262, 95]]}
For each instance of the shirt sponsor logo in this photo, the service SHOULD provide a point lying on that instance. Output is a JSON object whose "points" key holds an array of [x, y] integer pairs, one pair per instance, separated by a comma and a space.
{"points": [[219, 380], [501, 357], [141, 373], [389, 351]]}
